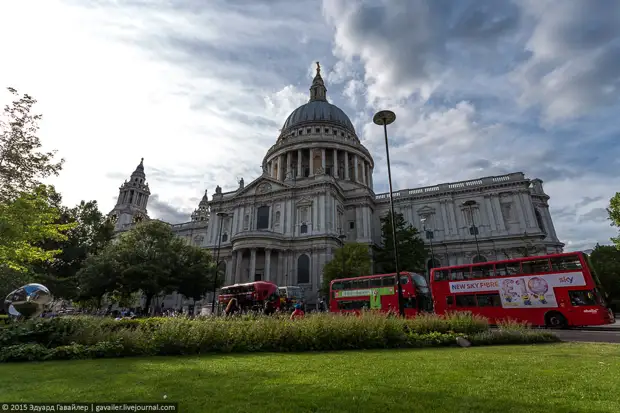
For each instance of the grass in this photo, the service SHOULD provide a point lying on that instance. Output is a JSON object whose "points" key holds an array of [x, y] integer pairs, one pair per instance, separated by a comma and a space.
{"points": [[507, 379]]}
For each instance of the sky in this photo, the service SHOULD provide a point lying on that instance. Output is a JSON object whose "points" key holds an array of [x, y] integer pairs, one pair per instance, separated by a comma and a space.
{"points": [[200, 89]]}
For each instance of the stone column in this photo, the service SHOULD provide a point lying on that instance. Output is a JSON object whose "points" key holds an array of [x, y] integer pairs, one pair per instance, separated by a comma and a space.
{"points": [[444, 219], [516, 200], [237, 278], [364, 177], [335, 172], [489, 208], [279, 168], [529, 209], [299, 157], [370, 177], [289, 164], [311, 164], [346, 166], [252, 265], [267, 264], [323, 159], [355, 168]]}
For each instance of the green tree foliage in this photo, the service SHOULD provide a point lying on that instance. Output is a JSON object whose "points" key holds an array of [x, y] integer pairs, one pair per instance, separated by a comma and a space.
{"points": [[149, 259], [25, 223], [22, 165], [614, 215], [28, 210], [411, 250], [352, 260], [91, 233], [606, 261]]}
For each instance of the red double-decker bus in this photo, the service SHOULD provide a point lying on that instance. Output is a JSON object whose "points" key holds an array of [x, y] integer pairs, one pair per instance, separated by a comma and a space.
{"points": [[379, 292], [251, 296], [558, 290]]}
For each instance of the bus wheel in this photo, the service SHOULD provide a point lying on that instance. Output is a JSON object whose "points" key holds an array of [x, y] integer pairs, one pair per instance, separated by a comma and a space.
{"points": [[553, 319]]}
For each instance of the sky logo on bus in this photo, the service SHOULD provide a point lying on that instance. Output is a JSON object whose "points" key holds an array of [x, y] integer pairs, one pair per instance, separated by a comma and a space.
{"points": [[566, 280]]}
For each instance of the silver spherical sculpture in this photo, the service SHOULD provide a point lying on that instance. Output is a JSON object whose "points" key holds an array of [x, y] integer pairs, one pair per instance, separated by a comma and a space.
{"points": [[28, 301]]}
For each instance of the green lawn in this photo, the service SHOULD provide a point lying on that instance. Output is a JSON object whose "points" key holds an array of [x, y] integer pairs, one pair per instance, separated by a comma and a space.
{"points": [[543, 378]]}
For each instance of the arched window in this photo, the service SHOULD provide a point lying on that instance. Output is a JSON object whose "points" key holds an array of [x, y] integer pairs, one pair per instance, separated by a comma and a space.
{"points": [[224, 237], [303, 269], [479, 258], [539, 220], [262, 218], [432, 263], [278, 218], [303, 229]]}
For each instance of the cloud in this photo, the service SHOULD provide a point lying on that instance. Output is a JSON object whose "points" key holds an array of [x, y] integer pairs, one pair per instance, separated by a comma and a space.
{"points": [[200, 90]]}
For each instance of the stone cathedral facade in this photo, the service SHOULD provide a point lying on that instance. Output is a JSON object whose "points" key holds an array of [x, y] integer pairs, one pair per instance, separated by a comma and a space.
{"points": [[317, 185]]}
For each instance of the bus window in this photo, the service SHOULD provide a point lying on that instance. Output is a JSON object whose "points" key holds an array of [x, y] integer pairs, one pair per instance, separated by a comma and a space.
{"points": [[450, 300], [582, 297], [335, 286], [481, 271], [459, 274], [389, 281], [508, 268], [489, 300], [409, 302], [353, 304], [375, 282], [465, 300], [360, 284], [419, 280], [347, 285], [565, 263], [404, 279], [442, 275], [535, 266]]}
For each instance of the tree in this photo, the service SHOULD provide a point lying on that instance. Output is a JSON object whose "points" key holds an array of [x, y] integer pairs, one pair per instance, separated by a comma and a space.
{"points": [[25, 223], [90, 235], [191, 277], [22, 165], [149, 259], [614, 215], [411, 249], [606, 262], [352, 260]]}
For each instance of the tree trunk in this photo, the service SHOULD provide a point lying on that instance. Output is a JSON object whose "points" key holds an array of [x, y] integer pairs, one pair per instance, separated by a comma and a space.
{"points": [[147, 304]]}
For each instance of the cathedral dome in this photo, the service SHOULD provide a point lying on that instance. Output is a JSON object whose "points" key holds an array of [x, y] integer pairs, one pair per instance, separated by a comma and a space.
{"points": [[318, 109]]}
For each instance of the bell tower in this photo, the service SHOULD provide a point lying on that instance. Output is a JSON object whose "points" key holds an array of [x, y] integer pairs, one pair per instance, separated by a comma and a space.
{"points": [[133, 196]]}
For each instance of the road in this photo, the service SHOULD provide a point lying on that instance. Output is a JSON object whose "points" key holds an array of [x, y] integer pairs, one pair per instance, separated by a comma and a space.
{"points": [[589, 335]]}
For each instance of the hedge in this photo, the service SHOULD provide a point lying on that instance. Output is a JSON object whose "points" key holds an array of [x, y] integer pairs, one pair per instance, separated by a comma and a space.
{"points": [[91, 337]]}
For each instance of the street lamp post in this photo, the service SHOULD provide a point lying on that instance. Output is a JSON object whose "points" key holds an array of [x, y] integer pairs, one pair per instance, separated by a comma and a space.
{"points": [[221, 216], [474, 229], [386, 117], [342, 237]]}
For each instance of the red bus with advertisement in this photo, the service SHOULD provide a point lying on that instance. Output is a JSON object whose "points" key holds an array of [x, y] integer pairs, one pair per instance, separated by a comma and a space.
{"points": [[251, 296], [379, 293], [558, 290]]}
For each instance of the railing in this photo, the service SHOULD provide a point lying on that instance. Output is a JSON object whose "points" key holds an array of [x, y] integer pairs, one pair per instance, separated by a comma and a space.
{"points": [[490, 180]]}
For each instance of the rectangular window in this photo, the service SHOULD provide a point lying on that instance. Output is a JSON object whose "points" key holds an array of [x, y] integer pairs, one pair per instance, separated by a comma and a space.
{"points": [[570, 262], [489, 300], [346, 285], [376, 282], [404, 280], [389, 281], [459, 274], [337, 286], [360, 284], [450, 300], [353, 304], [535, 266], [510, 268], [351, 224], [262, 219], [582, 298], [482, 271], [466, 300], [442, 275]]}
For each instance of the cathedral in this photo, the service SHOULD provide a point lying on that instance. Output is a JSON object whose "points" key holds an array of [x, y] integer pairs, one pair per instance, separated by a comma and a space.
{"points": [[316, 193]]}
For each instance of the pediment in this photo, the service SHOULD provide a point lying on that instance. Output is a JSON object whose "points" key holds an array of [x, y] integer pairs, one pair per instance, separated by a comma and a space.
{"points": [[261, 186], [426, 210], [304, 202]]}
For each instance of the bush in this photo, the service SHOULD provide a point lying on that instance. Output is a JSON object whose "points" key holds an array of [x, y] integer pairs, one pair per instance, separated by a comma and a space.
{"points": [[91, 337]]}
